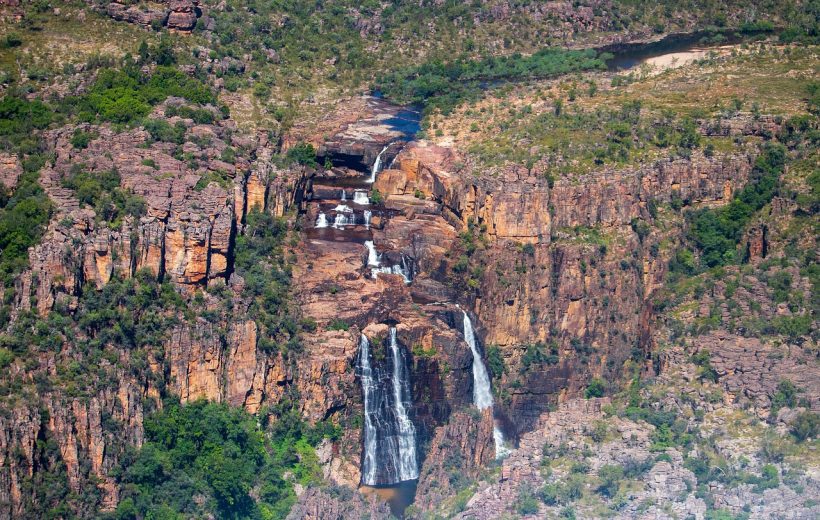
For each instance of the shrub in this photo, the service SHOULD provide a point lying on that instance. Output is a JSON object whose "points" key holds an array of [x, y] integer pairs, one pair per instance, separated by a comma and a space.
{"points": [[303, 153], [81, 139], [610, 476], [338, 324], [495, 361], [23, 219], [596, 388], [716, 232], [805, 426], [162, 131], [526, 504], [221, 454]]}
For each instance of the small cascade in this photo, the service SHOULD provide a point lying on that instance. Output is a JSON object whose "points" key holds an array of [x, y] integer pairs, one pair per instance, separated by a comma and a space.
{"points": [[321, 221], [367, 216], [361, 198], [369, 394], [372, 255], [344, 216], [377, 164], [341, 220], [389, 434], [393, 269], [344, 196], [482, 391]]}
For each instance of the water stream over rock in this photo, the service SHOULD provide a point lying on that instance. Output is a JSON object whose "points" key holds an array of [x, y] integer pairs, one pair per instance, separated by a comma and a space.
{"points": [[389, 446], [482, 391]]}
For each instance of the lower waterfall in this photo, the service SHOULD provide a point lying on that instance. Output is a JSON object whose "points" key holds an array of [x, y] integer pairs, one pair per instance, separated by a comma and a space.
{"points": [[369, 395], [389, 434], [482, 391], [408, 466]]}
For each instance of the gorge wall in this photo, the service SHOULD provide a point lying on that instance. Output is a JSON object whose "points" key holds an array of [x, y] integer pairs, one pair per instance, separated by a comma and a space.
{"points": [[539, 287]]}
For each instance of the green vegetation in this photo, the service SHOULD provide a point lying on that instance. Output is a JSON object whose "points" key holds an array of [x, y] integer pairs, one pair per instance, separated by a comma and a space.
{"points": [[717, 232], [539, 354], [260, 260], [583, 138], [102, 192], [23, 220], [443, 86], [495, 362], [304, 154], [126, 95], [220, 454], [219, 177], [596, 388]]}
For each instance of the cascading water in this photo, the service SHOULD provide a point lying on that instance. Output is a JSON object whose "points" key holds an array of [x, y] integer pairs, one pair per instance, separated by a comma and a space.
{"points": [[372, 255], [402, 269], [389, 434], [377, 165], [367, 216], [482, 392], [341, 220], [408, 466], [344, 196], [321, 221], [361, 198], [344, 216], [369, 391]]}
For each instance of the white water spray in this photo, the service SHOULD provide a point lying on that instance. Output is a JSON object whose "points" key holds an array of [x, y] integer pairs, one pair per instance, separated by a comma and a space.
{"points": [[482, 392], [408, 466], [377, 165], [361, 198], [372, 255], [370, 410], [321, 221]]}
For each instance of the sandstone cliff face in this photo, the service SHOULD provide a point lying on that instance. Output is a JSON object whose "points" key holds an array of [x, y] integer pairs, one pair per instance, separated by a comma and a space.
{"points": [[567, 289], [186, 237]]}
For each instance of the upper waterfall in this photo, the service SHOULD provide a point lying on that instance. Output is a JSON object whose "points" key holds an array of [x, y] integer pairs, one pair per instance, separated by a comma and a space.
{"points": [[377, 164]]}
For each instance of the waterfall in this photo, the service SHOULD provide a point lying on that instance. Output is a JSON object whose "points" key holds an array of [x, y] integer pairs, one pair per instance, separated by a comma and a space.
{"points": [[377, 164], [372, 255], [367, 216], [360, 197], [369, 391], [408, 467], [394, 269], [341, 220], [344, 195], [482, 392], [389, 438], [321, 221]]}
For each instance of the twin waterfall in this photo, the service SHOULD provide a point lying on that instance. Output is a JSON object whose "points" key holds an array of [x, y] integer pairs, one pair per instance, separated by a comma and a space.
{"points": [[389, 434], [482, 391]]}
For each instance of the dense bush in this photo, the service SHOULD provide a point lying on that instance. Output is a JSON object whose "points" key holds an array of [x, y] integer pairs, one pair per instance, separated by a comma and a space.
{"points": [[717, 232], [101, 191], [126, 95], [206, 458], [260, 261], [445, 85], [303, 153], [23, 219]]}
